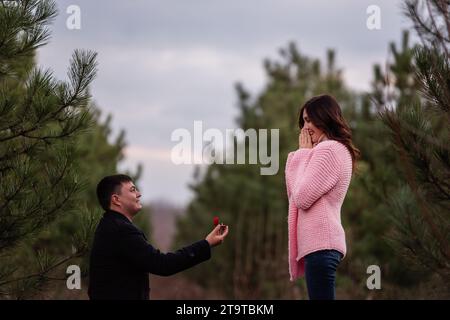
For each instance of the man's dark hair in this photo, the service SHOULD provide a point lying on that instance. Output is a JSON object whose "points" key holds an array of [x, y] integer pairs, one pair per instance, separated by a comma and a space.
{"points": [[108, 186]]}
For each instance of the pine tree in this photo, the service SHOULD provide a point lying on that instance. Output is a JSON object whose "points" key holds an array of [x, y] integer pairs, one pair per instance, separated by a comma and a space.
{"points": [[419, 132], [382, 176], [40, 118]]}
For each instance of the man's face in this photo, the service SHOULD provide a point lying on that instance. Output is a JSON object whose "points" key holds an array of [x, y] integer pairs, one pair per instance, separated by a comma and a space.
{"points": [[129, 198]]}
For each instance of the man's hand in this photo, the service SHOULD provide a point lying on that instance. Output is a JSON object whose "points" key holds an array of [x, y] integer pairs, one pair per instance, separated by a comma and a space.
{"points": [[217, 236], [304, 140]]}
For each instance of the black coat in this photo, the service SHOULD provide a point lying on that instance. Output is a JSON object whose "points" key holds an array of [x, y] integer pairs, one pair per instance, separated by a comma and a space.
{"points": [[121, 260]]}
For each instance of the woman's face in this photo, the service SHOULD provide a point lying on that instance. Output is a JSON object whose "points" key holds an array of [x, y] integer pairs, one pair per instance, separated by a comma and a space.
{"points": [[313, 131]]}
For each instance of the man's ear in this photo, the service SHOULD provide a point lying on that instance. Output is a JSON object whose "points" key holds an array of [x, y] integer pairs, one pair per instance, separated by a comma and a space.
{"points": [[115, 200]]}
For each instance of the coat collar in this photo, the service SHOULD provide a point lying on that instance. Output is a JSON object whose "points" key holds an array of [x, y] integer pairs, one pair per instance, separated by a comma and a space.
{"points": [[115, 214]]}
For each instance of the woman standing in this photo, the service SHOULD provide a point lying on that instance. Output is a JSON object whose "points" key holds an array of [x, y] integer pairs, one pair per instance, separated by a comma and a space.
{"points": [[318, 175]]}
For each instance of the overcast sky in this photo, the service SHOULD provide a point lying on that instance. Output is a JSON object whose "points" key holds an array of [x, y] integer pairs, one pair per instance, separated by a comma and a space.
{"points": [[164, 64]]}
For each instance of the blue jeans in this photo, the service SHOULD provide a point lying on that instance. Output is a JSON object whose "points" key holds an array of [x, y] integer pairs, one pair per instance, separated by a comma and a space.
{"points": [[320, 274]]}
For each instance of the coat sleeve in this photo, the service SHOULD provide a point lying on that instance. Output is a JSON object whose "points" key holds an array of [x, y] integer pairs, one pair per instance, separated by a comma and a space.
{"points": [[135, 250], [319, 177]]}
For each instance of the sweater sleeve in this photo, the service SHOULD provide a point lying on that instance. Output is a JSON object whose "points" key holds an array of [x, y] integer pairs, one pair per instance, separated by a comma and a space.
{"points": [[319, 177], [296, 160]]}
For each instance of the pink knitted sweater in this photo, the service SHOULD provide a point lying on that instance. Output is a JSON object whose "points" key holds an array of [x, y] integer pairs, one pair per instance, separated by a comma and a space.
{"points": [[317, 181]]}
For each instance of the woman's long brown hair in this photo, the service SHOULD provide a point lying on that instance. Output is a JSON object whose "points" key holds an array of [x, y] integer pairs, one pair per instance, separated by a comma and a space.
{"points": [[325, 113]]}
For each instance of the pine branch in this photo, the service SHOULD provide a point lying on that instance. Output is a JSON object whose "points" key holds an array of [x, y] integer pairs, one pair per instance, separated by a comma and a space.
{"points": [[23, 29], [439, 36], [432, 73], [427, 29], [412, 235], [392, 121], [43, 273]]}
